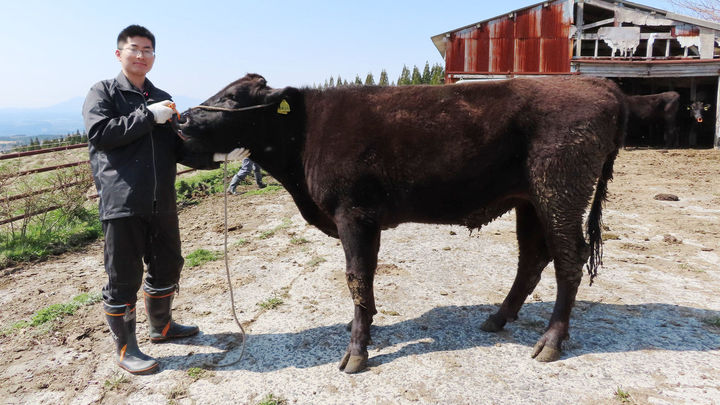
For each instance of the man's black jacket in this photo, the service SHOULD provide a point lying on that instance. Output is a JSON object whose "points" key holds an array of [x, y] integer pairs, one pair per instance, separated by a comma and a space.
{"points": [[133, 160]]}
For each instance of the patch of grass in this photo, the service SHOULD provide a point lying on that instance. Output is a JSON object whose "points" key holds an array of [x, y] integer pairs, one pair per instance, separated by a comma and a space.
{"points": [[19, 325], [41, 240], [200, 256], [715, 321], [691, 269], [271, 232], [197, 373], [54, 312], [116, 381], [298, 241], [270, 303], [389, 313], [316, 261], [623, 396], [267, 190], [271, 399], [191, 189], [241, 242]]}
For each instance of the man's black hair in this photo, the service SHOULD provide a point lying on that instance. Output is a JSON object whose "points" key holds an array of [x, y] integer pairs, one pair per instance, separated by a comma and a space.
{"points": [[135, 31]]}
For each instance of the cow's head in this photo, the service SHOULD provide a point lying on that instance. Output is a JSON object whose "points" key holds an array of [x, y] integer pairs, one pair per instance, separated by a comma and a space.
{"points": [[697, 109], [225, 120]]}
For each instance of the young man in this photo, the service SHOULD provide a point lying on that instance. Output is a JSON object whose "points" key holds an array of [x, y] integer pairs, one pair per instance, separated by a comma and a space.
{"points": [[133, 156]]}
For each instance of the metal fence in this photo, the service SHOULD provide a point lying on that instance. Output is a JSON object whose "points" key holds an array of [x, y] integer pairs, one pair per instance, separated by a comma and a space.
{"points": [[40, 191]]}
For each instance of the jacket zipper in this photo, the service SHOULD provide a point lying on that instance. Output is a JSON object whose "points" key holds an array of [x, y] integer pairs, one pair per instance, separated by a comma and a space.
{"points": [[152, 150]]}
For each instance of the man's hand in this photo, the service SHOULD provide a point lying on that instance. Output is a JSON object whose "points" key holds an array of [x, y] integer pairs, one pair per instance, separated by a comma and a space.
{"points": [[161, 111], [235, 154]]}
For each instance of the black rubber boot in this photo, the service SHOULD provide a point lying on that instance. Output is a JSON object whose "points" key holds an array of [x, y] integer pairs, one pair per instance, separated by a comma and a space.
{"points": [[158, 305], [121, 319]]}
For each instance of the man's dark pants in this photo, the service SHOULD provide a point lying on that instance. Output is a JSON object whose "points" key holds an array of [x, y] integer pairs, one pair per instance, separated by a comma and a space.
{"points": [[131, 241]]}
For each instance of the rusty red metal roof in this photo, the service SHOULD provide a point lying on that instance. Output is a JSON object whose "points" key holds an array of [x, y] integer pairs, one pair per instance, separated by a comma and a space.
{"points": [[531, 40]]}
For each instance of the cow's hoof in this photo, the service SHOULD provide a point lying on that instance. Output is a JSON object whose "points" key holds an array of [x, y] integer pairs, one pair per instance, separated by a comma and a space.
{"points": [[352, 363], [492, 324], [544, 353]]}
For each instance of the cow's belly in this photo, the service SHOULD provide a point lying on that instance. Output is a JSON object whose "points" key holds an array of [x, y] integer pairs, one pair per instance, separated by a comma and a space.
{"points": [[471, 212]]}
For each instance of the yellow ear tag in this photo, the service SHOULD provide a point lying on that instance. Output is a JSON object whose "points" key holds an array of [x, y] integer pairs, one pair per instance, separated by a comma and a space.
{"points": [[284, 107]]}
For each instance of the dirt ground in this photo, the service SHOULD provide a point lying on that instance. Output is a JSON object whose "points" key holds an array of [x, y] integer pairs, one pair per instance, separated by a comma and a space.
{"points": [[646, 332]]}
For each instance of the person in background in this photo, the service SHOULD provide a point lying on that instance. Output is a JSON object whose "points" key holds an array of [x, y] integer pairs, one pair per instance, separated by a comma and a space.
{"points": [[247, 167], [133, 156]]}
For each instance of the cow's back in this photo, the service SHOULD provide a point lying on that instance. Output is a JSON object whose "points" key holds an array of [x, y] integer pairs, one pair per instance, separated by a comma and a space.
{"points": [[437, 153]]}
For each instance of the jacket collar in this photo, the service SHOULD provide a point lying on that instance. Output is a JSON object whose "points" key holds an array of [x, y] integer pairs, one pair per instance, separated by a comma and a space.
{"points": [[124, 84]]}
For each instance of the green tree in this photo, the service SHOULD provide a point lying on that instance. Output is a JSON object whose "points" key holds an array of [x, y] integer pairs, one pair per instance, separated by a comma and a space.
{"points": [[358, 81], [332, 82], [383, 79], [416, 76], [339, 81], [369, 79], [404, 78], [426, 75], [437, 75]]}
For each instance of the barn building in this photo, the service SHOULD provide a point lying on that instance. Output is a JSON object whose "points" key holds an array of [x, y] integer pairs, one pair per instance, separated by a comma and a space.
{"points": [[644, 49]]}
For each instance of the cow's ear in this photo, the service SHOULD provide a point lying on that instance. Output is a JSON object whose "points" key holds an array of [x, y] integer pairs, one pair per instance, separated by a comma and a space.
{"points": [[289, 94]]}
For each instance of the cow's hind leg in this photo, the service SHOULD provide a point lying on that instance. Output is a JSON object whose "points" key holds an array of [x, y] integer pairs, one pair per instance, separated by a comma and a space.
{"points": [[533, 257], [569, 252], [561, 195], [361, 242]]}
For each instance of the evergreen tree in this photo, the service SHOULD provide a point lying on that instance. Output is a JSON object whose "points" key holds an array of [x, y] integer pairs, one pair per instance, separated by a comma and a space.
{"points": [[426, 75], [332, 82], [345, 83], [369, 80], [358, 81], [437, 75], [416, 76], [383, 78], [404, 78]]}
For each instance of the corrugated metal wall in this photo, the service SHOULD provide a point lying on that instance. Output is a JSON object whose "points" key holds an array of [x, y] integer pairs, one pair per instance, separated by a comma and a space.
{"points": [[535, 40]]}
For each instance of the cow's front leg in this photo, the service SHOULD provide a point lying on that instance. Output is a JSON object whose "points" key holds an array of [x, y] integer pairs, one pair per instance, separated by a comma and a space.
{"points": [[361, 240], [533, 257]]}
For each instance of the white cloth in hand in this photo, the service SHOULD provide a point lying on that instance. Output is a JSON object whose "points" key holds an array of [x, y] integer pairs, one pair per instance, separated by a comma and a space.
{"points": [[161, 111], [235, 154]]}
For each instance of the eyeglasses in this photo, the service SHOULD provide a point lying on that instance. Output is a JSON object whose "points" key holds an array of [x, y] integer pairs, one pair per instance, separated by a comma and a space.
{"points": [[148, 53]]}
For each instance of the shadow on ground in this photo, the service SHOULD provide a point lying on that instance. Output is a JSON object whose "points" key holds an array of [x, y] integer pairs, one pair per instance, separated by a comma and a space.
{"points": [[595, 328]]}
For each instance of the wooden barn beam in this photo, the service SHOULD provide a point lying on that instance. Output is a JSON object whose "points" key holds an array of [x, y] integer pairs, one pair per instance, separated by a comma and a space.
{"points": [[716, 141], [579, 24]]}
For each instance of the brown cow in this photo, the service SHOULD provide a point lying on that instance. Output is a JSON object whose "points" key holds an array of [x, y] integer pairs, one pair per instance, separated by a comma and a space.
{"points": [[657, 108], [358, 160]]}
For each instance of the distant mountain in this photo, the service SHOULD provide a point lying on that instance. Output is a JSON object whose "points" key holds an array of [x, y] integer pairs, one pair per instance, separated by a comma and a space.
{"points": [[59, 119]]}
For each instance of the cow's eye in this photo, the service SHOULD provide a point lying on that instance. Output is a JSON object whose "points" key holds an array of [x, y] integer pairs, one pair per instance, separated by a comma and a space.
{"points": [[707, 107]]}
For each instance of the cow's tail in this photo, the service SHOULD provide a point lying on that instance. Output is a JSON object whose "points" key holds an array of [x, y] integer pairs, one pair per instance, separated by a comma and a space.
{"points": [[594, 223]]}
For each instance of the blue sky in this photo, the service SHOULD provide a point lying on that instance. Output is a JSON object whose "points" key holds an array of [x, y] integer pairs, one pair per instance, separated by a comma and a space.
{"points": [[53, 51]]}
